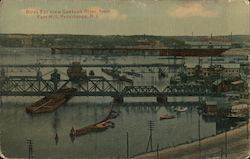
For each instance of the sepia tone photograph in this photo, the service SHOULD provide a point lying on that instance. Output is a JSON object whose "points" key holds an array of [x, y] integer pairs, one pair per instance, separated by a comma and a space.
{"points": [[124, 79]]}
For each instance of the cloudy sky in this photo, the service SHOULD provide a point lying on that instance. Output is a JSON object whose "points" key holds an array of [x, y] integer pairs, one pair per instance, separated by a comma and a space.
{"points": [[125, 17]]}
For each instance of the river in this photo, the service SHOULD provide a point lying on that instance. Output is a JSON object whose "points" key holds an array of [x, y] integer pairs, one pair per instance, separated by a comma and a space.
{"points": [[17, 126]]}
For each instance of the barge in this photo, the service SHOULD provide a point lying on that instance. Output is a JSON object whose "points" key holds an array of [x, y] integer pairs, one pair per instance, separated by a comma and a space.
{"points": [[193, 52], [52, 102]]}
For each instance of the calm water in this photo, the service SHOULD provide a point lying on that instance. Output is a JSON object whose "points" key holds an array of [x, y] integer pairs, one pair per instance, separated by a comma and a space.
{"points": [[16, 126]]}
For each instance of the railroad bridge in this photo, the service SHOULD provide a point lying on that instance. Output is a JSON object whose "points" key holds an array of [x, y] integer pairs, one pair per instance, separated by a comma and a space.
{"points": [[95, 86], [90, 85]]}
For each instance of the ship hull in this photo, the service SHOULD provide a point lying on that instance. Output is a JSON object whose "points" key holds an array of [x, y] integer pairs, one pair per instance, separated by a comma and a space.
{"points": [[192, 52]]}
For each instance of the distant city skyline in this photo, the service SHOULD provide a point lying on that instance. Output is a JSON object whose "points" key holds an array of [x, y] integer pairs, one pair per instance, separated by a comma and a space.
{"points": [[125, 17]]}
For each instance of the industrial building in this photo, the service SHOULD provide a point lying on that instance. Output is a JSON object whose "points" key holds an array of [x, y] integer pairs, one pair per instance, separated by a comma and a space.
{"points": [[207, 70]]}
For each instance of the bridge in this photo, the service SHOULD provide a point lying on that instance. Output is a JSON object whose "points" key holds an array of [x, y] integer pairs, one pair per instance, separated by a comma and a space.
{"points": [[95, 86]]}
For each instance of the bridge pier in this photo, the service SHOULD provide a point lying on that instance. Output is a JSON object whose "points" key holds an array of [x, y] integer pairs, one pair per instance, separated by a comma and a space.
{"points": [[53, 51], [55, 78], [118, 99], [161, 99]]}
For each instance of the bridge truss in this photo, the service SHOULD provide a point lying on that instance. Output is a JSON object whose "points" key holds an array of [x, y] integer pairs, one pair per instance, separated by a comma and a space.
{"points": [[94, 86]]}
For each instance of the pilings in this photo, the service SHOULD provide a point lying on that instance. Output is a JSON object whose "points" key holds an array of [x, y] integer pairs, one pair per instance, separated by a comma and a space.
{"points": [[55, 78], [161, 99], [118, 99]]}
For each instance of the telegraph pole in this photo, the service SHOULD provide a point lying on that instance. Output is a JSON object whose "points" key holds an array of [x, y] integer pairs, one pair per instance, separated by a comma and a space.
{"points": [[158, 156], [226, 143], [248, 122], [248, 105], [2, 75], [225, 132], [30, 148], [151, 125], [127, 146], [199, 131]]}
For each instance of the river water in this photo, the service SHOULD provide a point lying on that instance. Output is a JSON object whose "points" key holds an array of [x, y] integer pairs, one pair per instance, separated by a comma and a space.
{"points": [[17, 126]]}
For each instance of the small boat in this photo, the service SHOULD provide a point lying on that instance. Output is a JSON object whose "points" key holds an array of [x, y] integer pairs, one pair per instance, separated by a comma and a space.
{"points": [[116, 75], [112, 73], [162, 117], [98, 127], [124, 78], [133, 73], [180, 109]]}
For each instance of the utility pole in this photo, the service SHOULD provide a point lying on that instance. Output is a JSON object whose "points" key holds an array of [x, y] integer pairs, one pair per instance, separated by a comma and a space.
{"points": [[158, 156], [151, 125], [1, 153], [221, 152], [225, 131], [248, 123], [199, 131], [30, 149], [226, 143], [2, 75], [231, 38], [127, 146]]}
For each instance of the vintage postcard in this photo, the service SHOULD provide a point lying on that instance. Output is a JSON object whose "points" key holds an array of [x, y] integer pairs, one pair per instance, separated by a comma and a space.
{"points": [[143, 79]]}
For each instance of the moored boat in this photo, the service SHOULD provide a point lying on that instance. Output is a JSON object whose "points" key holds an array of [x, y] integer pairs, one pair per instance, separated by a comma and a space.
{"points": [[100, 126], [52, 102], [97, 127], [193, 51], [116, 75], [124, 78], [181, 109], [112, 73], [162, 117]]}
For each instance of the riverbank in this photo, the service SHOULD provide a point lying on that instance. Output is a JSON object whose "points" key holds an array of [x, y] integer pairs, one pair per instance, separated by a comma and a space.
{"points": [[238, 146]]}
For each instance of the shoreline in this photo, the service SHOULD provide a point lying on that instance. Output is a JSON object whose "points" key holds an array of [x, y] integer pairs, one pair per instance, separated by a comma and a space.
{"points": [[210, 147]]}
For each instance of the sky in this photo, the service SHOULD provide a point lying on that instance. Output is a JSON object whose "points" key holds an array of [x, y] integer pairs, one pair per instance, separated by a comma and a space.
{"points": [[125, 17]]}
